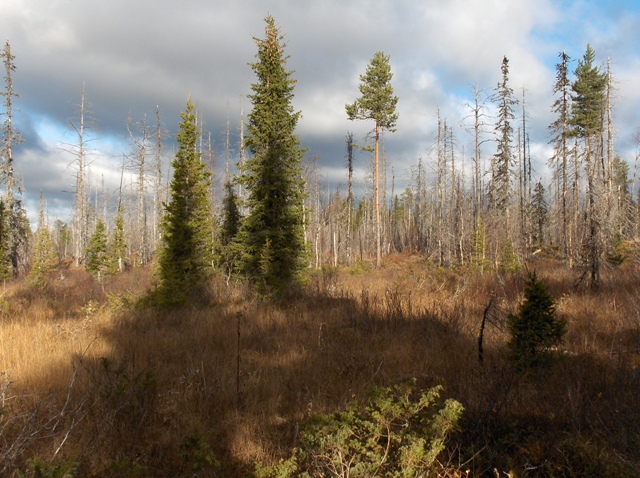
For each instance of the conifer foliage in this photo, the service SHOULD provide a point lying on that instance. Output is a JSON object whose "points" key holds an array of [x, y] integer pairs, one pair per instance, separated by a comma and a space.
{"points": [[118, 242], [272, 234], [96, 253], [377, 103], [503, 159], [186, 250], [536, 327], [43, 255], [228, 248]]}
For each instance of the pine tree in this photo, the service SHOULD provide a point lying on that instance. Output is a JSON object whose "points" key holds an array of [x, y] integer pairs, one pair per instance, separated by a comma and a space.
{"points": [[186, 247], [377, 103], [272, 234], [97, 259]]}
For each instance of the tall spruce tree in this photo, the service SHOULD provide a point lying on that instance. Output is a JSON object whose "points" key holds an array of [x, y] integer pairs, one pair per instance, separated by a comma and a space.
{"points": [[377, 103], [186, 247], [503, 158], [272, 234], [560, 139], [587, 123], [16, 224]]}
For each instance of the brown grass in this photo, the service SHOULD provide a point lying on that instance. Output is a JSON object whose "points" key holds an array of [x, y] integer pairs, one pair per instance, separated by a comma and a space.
{"points": [[149, 393]]}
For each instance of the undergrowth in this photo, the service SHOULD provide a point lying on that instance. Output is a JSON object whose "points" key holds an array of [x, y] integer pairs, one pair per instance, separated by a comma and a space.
{"points": [[93, 384]]}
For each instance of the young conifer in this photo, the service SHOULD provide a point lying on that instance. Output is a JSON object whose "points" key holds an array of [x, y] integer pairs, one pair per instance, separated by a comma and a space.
{"points": [[43, 256], [118, 248], [272, 235], [186, 249], [228, 248], [536, 327], [96, 254]]}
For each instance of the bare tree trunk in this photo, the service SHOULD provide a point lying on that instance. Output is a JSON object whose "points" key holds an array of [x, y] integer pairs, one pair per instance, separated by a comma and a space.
{"points": [[81, 227], [376, 193], [138, 163], [349, 194], [157, 181], [440, 194], [594, 249]]}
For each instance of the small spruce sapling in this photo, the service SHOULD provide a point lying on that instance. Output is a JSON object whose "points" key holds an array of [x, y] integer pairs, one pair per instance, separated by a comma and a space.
{"points": [[96, 253], [536, 327]]}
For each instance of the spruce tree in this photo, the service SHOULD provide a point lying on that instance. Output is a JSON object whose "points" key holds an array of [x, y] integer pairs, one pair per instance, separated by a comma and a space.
{"points": [[540, 210], [16, 223], [536, 327], [228, 248], [587, 123], [561, 135], [377, 103], [231, 219], [186, 246], [272, 234], [97, 259], [503, 159], [119, 245], [43, 259], [43, 256]]}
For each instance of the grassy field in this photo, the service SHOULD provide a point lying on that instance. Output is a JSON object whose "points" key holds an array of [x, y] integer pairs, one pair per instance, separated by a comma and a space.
{"points": [[91, 383]]}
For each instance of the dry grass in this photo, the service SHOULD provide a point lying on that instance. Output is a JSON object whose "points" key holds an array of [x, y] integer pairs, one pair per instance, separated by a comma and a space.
{"points": [[148, 393]]}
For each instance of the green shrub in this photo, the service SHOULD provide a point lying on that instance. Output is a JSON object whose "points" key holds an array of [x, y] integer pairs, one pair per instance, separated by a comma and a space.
{"points": [[399, 432]]}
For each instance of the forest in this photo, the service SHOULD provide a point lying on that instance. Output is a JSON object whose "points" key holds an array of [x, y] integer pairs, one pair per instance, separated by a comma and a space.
{"points": [[239, 320]]}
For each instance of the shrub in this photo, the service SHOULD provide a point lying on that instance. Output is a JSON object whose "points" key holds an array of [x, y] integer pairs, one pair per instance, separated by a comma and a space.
{"points": [[398, 433], [536, 327], [44, 469]]}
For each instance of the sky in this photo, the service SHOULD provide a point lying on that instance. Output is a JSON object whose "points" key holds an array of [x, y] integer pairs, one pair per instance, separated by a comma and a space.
{"points": [[136, 55]]}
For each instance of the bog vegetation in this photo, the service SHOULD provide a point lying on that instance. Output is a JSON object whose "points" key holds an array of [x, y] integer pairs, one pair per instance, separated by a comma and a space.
{"points": [[480, 323], [323, 380]]}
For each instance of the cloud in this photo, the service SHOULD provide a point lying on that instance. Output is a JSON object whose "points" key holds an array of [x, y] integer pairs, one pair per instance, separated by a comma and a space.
{"points": [[133, 56]]}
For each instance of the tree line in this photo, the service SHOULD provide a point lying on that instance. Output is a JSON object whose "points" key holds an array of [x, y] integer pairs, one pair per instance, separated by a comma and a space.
{"points": [[273, 221]]}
